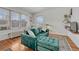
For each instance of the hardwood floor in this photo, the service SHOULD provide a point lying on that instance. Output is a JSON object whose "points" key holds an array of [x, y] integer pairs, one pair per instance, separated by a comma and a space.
{"points": [[13, 44], [72, 45], [69, 40]]}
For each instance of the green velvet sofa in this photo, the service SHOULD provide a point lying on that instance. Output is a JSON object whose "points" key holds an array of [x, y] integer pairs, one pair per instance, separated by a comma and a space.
{"points": [[47, 44], [41, 42], [38, 32], [29, 41]]}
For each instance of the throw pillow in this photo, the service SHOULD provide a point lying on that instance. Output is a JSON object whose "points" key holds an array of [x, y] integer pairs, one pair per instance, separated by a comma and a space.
{"points": [[31, 33]]}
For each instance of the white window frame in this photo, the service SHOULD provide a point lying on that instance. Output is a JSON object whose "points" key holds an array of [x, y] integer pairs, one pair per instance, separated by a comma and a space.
{"points": [[38, 21], [6, 19], [26, 20], [9, 24], [18, 14]]}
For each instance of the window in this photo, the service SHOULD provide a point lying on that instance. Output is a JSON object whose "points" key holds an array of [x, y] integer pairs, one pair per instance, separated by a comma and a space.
{"points": [[12, 20], [4, 17], [39, 20], [15, 20], [24, 20]]}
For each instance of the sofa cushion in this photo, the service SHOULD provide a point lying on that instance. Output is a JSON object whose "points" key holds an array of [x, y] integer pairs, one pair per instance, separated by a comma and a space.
{"points": [[42, 48], [43, 29], [31, 33], [49, 43], [43, 34], [26, 32], [46, 46], [35, 31]]}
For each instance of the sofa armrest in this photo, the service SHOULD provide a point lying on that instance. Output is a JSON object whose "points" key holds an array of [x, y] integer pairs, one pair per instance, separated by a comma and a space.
{"points": [[28, 41]]}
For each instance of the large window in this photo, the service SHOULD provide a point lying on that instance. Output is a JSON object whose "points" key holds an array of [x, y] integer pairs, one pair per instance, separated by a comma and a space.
{"points": [[23, 20], [39, 20], [4, 17], [15, 20], [12, 20]]}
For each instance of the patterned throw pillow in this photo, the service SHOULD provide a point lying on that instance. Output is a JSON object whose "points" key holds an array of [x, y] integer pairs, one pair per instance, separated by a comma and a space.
{"points": [[31, 33]]}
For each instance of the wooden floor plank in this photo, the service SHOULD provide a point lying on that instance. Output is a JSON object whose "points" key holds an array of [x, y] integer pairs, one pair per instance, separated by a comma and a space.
{"points": [[13, 44], [72, 45], [69, 40]]}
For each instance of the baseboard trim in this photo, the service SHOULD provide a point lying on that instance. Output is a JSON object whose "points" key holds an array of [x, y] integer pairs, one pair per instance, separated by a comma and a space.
{"points": [[15, 37], [11, 38]]}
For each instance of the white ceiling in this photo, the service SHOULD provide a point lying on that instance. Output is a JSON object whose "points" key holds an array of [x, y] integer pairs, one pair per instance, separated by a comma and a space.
{"points": [[34, 10]]}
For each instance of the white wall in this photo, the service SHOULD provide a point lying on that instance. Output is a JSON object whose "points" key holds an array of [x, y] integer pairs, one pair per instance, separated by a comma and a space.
{"points": [[75, 14], [55, 17]]}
